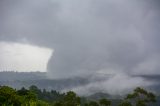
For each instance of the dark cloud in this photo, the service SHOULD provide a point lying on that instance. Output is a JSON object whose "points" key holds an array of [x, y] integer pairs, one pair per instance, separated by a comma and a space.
{"points": [[90, 36]]}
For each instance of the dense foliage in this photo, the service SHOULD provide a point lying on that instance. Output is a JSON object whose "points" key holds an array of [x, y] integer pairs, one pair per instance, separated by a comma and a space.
{"points": [[139, 97], [37, 97]]}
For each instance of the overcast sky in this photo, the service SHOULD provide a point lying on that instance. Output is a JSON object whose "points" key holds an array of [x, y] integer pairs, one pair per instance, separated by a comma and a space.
{"points": [[87, 36]]}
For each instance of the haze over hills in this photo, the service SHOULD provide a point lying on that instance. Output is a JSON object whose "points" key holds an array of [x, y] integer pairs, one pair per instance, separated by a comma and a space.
{"points": [[13, 75], [26, 79], [40, 79]]}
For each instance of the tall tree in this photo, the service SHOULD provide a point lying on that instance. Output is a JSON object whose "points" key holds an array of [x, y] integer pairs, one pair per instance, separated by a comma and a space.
{"points": [[140, 97], [104, 102]]}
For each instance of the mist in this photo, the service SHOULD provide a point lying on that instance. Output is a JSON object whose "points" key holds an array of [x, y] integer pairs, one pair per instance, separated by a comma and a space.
{"points": [[89, 37]]}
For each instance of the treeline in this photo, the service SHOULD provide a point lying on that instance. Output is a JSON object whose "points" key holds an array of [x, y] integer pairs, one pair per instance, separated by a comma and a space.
{"points": [[33, 96]]}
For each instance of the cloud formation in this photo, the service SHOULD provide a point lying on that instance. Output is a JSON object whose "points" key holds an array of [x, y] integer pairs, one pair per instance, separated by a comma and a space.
{"points": [[118, 84], [23, 57], [88, 36]]}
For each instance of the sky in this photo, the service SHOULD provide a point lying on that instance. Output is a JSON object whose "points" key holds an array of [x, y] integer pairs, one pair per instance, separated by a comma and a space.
{"points": [[88, 37]]}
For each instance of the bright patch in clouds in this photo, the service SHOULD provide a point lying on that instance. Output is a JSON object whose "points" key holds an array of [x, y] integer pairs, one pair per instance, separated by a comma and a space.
{"points": [[23, 57]]}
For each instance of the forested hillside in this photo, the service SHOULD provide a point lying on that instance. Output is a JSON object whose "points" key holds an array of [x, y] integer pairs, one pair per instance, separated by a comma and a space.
{"points": [[37, 97]]}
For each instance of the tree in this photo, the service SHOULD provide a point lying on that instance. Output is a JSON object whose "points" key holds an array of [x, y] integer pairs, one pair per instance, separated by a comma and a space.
{"points": [[125, 103], [93, 103], [140, 97], [71, 99], [22, 91], [8, 96], [58, 104], [104, 102], [34, 89], [31, 96]]}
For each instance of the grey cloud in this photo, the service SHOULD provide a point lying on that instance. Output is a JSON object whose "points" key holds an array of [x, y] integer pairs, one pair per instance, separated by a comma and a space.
{"points": [[88, 36], [116, 85]]}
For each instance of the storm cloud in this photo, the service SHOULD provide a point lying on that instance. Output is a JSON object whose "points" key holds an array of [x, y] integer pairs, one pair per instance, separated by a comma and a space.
{"points": [[88, 37]]}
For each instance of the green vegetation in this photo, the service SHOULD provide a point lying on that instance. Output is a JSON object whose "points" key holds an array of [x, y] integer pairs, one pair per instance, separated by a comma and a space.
{"points": [[37, 97], [139, 97]]}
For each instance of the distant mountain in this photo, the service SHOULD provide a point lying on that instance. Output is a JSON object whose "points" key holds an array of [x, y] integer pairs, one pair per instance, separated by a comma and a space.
{"points": [[100, 95], [12, 76], [26, 79], [149, 77], [40, 79]]}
